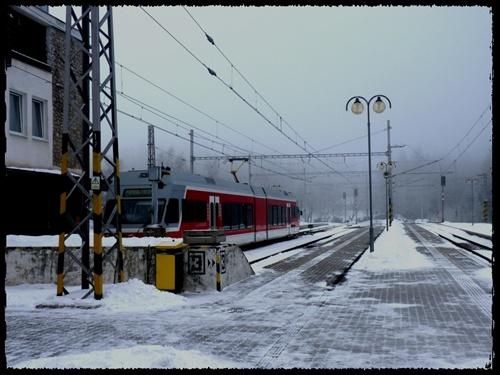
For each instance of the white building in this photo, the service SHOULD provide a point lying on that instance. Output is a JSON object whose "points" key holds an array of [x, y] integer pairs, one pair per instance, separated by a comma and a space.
{"points": [[34, 77], [29, 133]]}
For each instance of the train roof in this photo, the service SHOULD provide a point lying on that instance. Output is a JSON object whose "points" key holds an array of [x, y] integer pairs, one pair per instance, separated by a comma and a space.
{"points": [[195, 180]]}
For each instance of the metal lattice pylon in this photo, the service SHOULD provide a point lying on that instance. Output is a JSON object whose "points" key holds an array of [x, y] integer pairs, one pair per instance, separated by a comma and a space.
{"points": [[89, 102]]}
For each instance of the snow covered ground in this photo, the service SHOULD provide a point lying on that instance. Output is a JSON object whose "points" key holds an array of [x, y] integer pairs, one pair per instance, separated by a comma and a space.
{"points": [[135, 297]]}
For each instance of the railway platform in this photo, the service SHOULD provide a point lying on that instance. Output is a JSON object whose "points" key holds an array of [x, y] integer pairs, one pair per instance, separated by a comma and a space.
{"points": [[320, 309], [430, 317]]}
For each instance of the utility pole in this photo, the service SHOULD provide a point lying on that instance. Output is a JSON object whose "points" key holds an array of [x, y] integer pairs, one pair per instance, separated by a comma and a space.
{"points": [[443, 183], [389, 178], [191, 151], [151, 146], [345, 208], [85, 116], [356, 205], [154, 174], [485, 198], [305, 196], [472, 181]]}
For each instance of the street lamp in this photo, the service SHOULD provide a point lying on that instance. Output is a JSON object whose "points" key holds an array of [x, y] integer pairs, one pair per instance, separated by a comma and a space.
{"points": [[388, 168], [357, 108]]}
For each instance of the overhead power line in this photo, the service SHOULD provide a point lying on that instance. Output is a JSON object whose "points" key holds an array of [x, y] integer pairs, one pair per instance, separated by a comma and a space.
{"points": [[237, 93], [211, 41], [244, 100], [196, 109]]}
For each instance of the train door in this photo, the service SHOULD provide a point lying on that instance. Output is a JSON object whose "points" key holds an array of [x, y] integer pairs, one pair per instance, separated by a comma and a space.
{"points": [[288, 218], [213, 211]]}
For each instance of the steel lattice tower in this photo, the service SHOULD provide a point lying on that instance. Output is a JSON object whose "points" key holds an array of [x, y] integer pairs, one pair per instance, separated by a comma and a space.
{"points": [[89, 103]]}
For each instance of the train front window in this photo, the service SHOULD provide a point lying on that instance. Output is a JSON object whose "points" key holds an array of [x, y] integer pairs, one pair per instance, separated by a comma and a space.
{"points": [[138, 211]]}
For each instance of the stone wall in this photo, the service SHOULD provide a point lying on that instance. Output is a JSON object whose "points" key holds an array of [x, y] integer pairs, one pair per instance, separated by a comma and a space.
{"points": [[56, 59]]}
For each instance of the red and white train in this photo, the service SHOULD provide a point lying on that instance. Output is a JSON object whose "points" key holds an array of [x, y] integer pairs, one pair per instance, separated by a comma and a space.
{"points": [[186, 201]]}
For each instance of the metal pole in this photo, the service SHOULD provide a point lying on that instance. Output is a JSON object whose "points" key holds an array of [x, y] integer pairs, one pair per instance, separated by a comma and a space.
{"points": [[370, 181], [249, 170], [357, 108], [386, 204], [442, 203], [345, 208], [389, 179], [472, 181], [356, 204], [191, 148], [472, 198]]}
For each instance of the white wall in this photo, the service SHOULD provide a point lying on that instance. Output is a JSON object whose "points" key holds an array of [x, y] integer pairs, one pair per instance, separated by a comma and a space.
{"points": [[24, 150]]}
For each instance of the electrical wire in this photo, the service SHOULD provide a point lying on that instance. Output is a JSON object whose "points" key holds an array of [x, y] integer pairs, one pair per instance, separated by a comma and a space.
{"points": [[198, 110], [211, 40], [213, 73]]}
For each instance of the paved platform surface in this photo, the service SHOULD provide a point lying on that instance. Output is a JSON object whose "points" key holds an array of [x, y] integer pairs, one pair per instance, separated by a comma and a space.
{"points": [[308, 312], [439, 315]]}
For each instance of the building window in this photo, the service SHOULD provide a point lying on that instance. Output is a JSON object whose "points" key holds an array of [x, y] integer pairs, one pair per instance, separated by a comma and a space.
{"points": [[16, 113], [38, 119]]}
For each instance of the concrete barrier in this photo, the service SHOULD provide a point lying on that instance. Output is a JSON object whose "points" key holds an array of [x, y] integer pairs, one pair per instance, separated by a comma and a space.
{"points": [[38, 265], [204, 267]]}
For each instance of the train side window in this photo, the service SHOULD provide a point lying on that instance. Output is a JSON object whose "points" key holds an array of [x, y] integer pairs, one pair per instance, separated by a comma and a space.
{"points": [[187, 210], [273, 215], [234, 216], [241, 216], [200, 211], [226, 216], [172, 215], [249, 215]]}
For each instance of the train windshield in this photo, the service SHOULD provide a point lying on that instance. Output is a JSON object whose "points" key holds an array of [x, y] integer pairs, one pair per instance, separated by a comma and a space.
{"points": [[136, 211]]}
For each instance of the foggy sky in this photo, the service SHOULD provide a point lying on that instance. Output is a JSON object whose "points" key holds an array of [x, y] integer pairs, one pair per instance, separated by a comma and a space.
{"points": [[298, 67]]}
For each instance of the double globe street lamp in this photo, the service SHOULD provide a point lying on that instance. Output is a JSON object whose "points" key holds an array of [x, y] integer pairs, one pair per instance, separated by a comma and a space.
{"points": [[357, 108]]}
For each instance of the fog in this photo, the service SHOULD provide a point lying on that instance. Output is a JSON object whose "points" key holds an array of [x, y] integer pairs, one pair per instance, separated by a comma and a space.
{"points": [[279, 81]]}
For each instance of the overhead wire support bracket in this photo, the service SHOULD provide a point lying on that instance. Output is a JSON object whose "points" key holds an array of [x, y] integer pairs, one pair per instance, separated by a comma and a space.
{"points": [[234, 171]]}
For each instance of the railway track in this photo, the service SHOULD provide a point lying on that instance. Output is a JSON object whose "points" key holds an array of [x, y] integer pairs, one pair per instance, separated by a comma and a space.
{"points": [[472, 233], [472, 246], [317, 240], [468, 244]]}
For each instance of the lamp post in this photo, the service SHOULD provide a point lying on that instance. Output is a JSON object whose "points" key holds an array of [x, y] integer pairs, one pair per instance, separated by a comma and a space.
{"points": [[357, 108], [388, 168]]}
